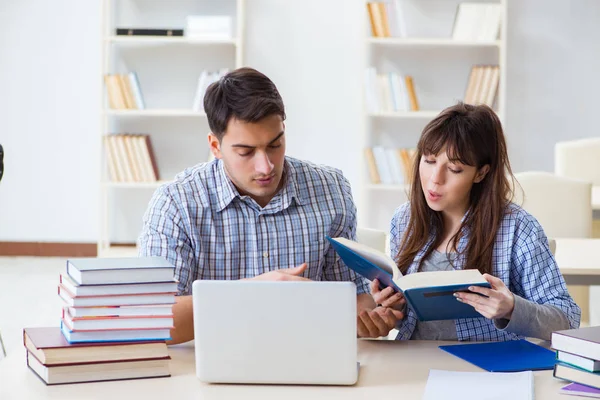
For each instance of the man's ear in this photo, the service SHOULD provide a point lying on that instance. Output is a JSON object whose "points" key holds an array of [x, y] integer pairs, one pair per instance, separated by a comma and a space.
{"points": [[214, 145], [481, 173]]}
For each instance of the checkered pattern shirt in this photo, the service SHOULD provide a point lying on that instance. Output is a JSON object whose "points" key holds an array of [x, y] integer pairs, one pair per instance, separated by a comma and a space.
{"points": [[207, 230], [521, 258]]}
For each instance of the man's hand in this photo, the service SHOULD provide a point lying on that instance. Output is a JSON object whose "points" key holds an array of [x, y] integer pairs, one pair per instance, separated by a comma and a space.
{"points": [[387, 297], [286, 274], [499, 303], [377, 322]]}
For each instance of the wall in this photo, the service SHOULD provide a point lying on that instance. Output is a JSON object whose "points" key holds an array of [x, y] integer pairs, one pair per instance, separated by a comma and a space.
{"points": [[313, 50]]}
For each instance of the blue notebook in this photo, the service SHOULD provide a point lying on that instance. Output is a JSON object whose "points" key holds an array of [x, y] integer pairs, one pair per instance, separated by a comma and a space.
{"points": [[509, 356], [429, 294]]}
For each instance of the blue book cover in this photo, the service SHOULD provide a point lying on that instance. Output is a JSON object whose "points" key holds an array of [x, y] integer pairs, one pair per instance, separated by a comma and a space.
{"points": [[429, 301], [509, 356]]}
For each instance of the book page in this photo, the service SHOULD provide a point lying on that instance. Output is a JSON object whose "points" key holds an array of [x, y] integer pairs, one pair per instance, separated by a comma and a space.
{"points": [[439, 278], [452, 385]]}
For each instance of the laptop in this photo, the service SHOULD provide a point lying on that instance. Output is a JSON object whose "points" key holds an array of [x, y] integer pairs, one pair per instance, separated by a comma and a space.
{"points": [[275, 332]]}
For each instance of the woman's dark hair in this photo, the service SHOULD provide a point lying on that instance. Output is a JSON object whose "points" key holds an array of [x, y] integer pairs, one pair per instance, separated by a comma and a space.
{"points": [[471, 135], [244, 94]]}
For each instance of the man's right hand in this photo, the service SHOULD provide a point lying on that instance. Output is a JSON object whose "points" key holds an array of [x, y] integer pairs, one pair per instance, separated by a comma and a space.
{"points": [[286, 274], [387, 297]]}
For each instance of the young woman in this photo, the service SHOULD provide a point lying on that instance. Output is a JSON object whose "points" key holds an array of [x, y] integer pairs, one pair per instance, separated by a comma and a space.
{"points": [[460, 215]]}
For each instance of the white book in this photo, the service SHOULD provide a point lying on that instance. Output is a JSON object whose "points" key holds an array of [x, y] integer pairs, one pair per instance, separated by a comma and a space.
{"points": [[494, 80], [465, 23], [115, 335], [121, 311], [107, 323], [395, 165], [403, 100], [104, 271], [579, 361], [112, 290], [386, 92], [199, 96], [382, 165], [454, 385], [400, 20], [137, 90], [121, 300], [490, 23], [371, 92]]}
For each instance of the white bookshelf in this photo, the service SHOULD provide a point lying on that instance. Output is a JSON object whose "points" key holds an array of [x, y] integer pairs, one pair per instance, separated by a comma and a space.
{"points": [[440, 67], [168, 68]]}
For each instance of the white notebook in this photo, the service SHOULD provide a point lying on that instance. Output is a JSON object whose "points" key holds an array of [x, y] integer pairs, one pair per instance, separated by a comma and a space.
{"points": [[452, 385]]}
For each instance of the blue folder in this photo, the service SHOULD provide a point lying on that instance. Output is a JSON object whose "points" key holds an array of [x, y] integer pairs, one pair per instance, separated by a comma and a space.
{"points": [[510, 356]]}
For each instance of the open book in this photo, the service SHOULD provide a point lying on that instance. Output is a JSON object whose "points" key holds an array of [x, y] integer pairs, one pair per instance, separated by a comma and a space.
{"points": [[429, 294]]}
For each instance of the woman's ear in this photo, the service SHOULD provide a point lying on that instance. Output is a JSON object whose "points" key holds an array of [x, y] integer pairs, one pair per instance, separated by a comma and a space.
{"points": [[481, 173]]}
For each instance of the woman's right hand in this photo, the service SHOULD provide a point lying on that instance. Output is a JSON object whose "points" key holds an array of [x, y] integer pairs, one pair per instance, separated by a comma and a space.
{"points": [[387, 297]]}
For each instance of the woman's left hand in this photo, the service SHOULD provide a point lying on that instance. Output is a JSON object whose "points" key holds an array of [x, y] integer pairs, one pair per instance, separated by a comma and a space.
{"points": [[499, 303]]}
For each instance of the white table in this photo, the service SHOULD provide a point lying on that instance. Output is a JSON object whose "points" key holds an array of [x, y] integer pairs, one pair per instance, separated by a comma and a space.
{"points": [[579, 260], [389, 370]]}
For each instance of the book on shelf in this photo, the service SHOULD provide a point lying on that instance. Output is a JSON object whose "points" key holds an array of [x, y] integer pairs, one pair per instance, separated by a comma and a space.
{"points": [[49, 346], [386, 19], [479, 22], [148, 32], [389, 166], [204, 81], [104, 271], [124, 91], [389, 92], [101, 371], [429, 294], [482, 86], [130, 158], [216, 27]]}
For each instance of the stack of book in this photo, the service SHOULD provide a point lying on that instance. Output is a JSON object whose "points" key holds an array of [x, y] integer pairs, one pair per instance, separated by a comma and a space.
{"points": [[483, 85], [130, 158], [116, 319], [390, 166], [578, 360], [387, 19], [390, 92], [124, 92]]}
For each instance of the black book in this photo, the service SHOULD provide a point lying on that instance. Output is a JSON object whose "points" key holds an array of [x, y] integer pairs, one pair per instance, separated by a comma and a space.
{"points": [[148, 32]]}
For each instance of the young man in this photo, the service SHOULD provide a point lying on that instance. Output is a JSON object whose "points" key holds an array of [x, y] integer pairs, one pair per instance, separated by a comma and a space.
{"points": [[254, 213]]}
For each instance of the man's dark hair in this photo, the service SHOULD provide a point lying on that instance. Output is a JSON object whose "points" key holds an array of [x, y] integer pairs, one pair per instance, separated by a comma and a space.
{"points": [[243, 94]]}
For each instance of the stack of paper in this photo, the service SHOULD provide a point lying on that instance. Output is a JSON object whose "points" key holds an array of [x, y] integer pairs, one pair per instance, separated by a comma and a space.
{"points": [[451, 385]]}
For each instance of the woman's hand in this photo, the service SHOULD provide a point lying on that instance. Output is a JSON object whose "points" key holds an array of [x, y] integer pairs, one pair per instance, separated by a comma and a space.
{"points": [[387, 297], [499, 303]]}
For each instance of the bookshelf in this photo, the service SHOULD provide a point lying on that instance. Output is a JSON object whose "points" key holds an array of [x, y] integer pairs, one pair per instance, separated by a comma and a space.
{"points": [[168, 69], [439, 61]]}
